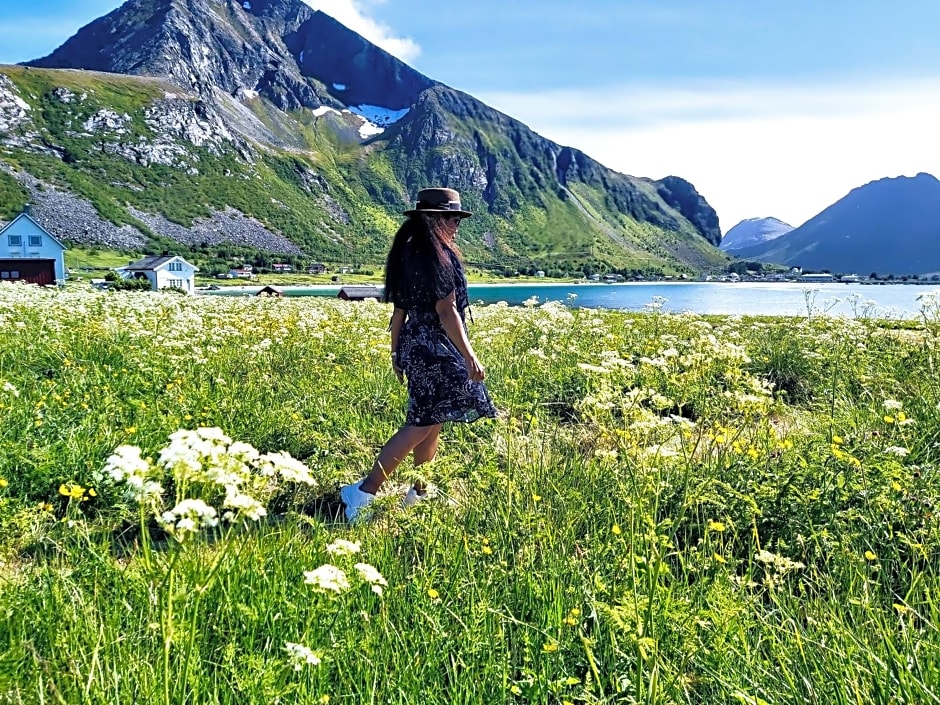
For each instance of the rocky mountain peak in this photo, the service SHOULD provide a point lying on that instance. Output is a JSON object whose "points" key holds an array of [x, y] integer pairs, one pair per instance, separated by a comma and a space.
{"points": [[282, 49], [753, 231], [277, 93]]}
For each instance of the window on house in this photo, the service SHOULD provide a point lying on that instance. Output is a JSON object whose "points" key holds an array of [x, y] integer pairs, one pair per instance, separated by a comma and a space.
{"points": [[175, 267], [15, 240], [4, 275], [176, 283], [35, 240]]}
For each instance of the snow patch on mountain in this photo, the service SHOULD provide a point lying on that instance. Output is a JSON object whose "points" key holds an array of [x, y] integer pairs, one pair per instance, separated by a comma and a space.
{"points": [[753, 231], [382, 117]]}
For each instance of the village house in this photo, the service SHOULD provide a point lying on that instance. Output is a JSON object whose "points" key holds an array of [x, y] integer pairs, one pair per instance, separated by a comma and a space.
{"points": [[164, 271], [316, 268], [244, 272], [30, 253], [817, 277], [281, 267]]}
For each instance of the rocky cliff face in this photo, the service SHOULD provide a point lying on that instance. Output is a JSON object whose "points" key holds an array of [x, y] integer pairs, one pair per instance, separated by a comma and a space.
{"points": [[263, 80]]}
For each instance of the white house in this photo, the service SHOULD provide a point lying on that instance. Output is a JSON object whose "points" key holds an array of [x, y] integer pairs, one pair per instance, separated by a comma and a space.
{"points": [[817, 277], [163, 272], [30, 253]]}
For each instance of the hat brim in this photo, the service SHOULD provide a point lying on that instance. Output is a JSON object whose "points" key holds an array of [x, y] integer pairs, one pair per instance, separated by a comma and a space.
{"points": [[462, 214]]}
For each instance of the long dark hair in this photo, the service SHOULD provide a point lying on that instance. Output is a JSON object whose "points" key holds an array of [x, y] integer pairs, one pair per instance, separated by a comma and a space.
{"points": [[424, 235]]}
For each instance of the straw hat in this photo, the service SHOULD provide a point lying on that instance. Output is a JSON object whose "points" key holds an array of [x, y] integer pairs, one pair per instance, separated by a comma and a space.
{"points": [[439, 200]]}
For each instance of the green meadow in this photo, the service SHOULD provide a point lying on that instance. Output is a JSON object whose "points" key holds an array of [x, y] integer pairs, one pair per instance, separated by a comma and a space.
{"points": [[670, 509]]}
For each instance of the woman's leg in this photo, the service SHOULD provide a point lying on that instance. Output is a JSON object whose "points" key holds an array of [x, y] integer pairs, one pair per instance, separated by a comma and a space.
{"points": [[396, 449], [425, 451]]}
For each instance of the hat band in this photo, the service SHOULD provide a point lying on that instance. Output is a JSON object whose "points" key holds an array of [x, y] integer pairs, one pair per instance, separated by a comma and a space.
{"points": [[449, 206]]}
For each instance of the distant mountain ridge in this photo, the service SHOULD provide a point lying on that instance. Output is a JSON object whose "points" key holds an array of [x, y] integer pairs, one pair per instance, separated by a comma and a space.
{"points": [[274, 98], [888, 226], [753, 231]]}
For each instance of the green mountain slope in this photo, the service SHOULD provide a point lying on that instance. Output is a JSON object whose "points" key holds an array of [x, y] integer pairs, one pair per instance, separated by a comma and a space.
{"points": [[275, 165]]}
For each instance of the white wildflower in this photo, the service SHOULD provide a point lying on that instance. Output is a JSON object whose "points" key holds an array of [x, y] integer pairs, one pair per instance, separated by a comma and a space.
{"points": [[125, 462], [892, 405], [242, 505], [243, 451], [212, 434], [327, 578], [373, 576], [781, 564], [301, 655], [287, 467], [342, 547], [8, 387], [897, 450], [189, 516]]}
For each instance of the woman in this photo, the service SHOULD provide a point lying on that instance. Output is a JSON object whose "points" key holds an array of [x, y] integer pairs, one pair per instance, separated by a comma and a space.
{"points": [[425, 281]]}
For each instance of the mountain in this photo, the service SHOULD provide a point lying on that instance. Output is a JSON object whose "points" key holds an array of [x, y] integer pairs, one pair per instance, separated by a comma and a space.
{"points": [[226, 128], [889, 226], [753, 231]]}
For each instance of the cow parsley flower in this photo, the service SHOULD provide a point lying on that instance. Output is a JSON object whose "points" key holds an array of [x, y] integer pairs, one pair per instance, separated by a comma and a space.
{"points": [[300, 656], [125, 462], [189, 516], [242, 504], [327, 578], [287, 467], [342, 547], [373, 576]]}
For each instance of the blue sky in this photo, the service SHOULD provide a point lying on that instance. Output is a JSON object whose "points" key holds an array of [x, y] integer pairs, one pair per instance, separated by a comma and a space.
{"points": [[770, 107]]}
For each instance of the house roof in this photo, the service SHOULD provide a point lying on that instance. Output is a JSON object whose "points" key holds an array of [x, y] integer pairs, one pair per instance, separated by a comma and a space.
{"points": [[153, 263], [33, 221], [364, 291]]}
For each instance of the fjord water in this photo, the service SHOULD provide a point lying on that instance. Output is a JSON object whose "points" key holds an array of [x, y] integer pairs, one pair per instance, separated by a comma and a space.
{"points": [[744, 298]]}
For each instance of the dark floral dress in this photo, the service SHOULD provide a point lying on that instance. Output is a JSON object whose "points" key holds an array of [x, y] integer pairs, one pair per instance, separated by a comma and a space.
{"points": [[439, 386]]}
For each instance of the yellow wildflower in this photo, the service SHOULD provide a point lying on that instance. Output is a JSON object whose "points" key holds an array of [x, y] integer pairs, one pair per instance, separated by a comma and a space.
{"points": [[550, 647], [716, 526], [72, 491], [615, 529], [870, 556], [433, 594]]}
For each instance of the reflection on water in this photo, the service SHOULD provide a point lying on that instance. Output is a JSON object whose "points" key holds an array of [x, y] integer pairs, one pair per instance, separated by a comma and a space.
{"points": [[744, 298]]}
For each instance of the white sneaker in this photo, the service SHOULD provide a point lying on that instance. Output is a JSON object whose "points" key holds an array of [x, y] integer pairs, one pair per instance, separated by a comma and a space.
{"points": [[356, 501], [412, 498]]}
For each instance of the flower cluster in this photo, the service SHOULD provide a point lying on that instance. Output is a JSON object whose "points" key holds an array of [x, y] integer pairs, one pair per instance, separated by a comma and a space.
{"points": [[331, 580], [214, 478]]}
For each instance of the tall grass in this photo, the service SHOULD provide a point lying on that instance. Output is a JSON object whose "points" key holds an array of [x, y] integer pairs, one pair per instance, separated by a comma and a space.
{"points": [[671, 509]]}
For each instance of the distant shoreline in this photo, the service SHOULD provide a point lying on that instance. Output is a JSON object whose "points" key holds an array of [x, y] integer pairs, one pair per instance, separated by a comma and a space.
{"points": [[254, 288]]}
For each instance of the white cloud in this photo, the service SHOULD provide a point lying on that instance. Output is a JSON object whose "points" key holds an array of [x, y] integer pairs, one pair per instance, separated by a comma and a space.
{"points": [[353, 14], [787, 152]]}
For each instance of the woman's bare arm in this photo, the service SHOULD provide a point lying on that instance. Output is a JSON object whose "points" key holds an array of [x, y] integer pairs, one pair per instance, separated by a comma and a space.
{"points": [[450, 321]]}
